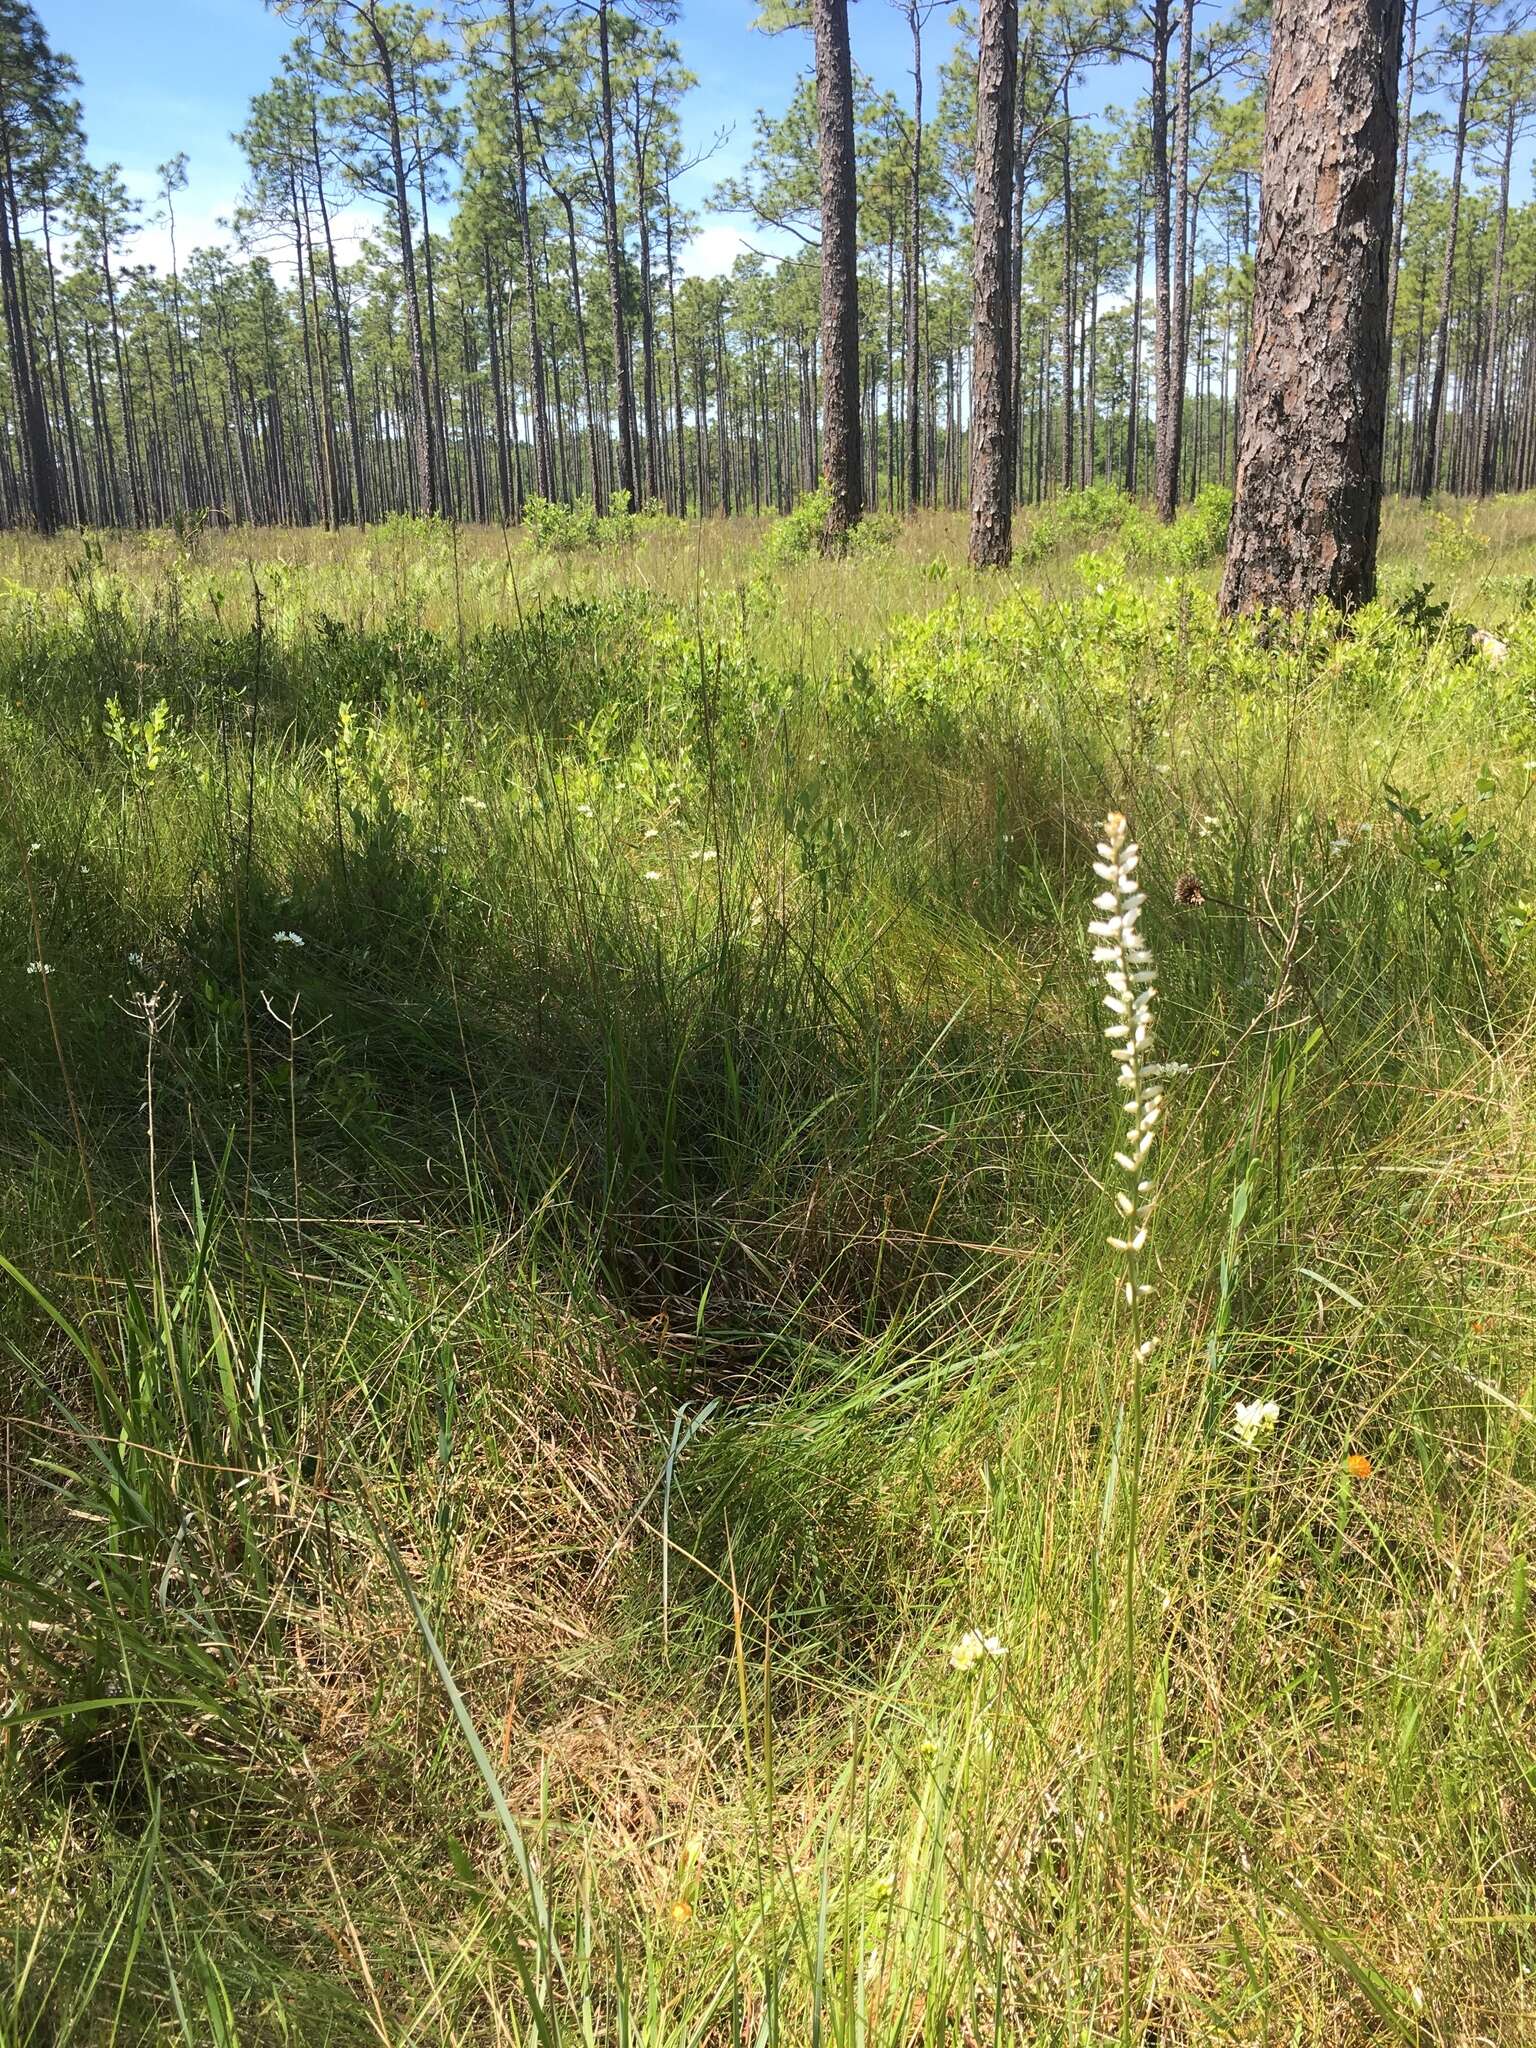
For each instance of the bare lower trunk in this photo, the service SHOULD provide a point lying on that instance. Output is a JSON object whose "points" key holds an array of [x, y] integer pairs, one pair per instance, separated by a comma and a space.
{"points": [[839, 269], [543, 471], [1429, 468], [1406, 129], [1308, 508], [1488, 404], [914, 271], [1165, 476], [991, 465], [1183, 264], [623, 375], [1133, 400], [1066, 290]]}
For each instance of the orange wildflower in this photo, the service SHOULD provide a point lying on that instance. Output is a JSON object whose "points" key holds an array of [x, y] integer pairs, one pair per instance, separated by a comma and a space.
{"points": [[1358, 1467]]}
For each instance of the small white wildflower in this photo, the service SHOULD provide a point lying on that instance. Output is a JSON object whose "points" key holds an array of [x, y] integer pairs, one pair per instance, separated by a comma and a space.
{"points": [[972, 1647], [653, 831], [653, 874], [473, 803], [1254, 1420], [136, 960], [37, 844], [287, 939], [585, 810], [39, 967]]}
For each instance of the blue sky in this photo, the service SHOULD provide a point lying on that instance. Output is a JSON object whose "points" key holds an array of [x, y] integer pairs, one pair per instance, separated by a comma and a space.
{"points": [[162, 75]]}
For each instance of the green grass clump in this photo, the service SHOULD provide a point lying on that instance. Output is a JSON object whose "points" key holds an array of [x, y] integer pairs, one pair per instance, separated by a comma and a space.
{"points": [[557, 1312]]}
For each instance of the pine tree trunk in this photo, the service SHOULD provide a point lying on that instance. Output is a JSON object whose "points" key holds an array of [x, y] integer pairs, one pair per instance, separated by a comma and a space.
{"points": [[1429, 468], [1067, 319], [623, 369], [1134, 395], [543, 476], [1165, 463], [584, 354], [421, 424], [647, 316], [914, 271], [1490, 401], [1183, 264], [1409, 62], [839, 270], [991, 460], [1308, 507], [680, 453]]}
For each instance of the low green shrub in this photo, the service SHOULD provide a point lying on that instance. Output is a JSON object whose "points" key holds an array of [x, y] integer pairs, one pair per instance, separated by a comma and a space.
{"points": [[800, 532], [571, 529]]}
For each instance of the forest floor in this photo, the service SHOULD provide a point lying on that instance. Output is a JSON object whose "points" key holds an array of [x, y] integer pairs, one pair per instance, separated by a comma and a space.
{"points": [[573, 1467]]}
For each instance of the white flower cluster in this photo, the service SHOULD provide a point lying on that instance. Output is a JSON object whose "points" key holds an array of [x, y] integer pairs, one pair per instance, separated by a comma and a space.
{"points": [[972, 1648], [287, 939], [1130, 979], [1252, 1420]]}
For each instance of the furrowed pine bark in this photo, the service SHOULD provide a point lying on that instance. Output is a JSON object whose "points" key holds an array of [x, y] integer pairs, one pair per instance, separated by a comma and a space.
{"points": [[1183, 264], [543, 470], [1164, 472], [1429, 465], [629, 479], [1405, 131], [991, 444], [1068, 316], [910, 336], [1308, 505], [1488, 399], [839, 270]]}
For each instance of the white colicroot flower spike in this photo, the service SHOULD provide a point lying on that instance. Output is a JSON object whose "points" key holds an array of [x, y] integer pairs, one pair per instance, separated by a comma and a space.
{"points": [[1130, 983]]}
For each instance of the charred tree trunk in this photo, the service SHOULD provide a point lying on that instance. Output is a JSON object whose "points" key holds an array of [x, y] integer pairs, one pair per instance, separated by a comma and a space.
{"points": [[991, 463], [839, 269], [1308, 508]]}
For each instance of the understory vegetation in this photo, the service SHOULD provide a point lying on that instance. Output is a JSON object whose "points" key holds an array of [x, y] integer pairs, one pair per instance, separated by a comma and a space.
{"points": [[568, 1442]]}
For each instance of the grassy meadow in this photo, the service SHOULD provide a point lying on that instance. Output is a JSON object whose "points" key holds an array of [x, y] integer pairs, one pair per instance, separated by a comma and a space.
{"points": [[576, 1470]]}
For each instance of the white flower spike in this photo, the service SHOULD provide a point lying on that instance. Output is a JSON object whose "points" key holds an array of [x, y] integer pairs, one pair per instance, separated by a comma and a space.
{"points": [[1129, 979]]}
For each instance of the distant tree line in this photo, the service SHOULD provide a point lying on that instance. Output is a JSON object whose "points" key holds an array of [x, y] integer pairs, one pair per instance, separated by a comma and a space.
{"points": [[518, 322]]}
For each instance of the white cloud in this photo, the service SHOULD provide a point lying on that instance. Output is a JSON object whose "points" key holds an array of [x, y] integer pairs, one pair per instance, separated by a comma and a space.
{"points": [[712, 251]]}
